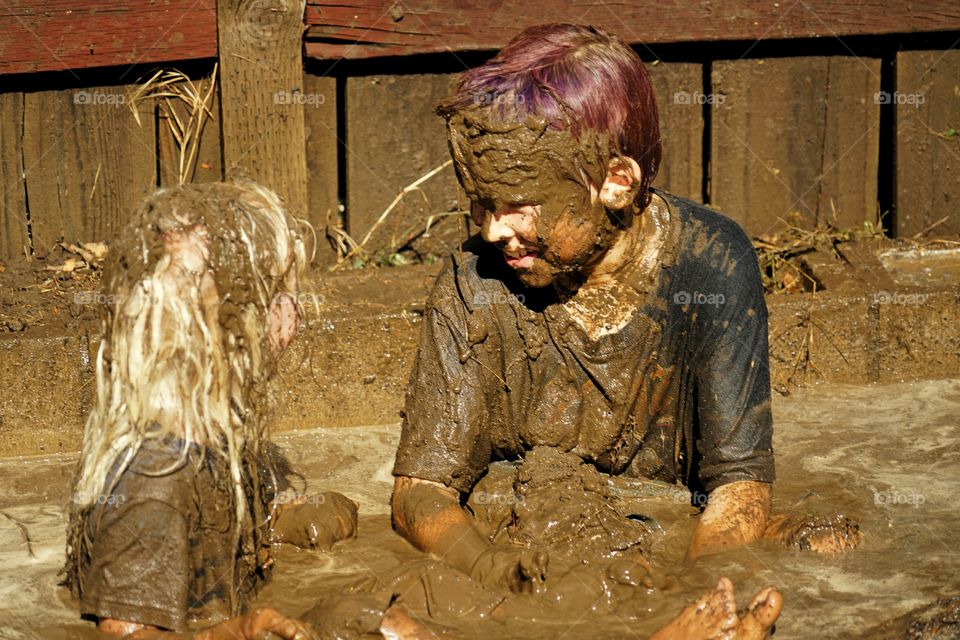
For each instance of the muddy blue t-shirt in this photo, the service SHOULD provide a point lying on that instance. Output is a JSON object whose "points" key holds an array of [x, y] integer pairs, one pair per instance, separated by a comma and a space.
{"points": [[667, 378]]}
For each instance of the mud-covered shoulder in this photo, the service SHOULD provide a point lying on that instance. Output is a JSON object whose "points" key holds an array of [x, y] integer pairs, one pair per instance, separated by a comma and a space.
{"points": [[716, 277], [711, 242]]}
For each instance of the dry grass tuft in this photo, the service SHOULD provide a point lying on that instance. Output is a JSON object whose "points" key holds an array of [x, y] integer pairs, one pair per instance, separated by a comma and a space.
{"points": [[184, 106]]}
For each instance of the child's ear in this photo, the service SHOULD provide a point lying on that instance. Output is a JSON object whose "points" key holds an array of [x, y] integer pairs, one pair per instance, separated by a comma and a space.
{"points": [[284, 319], [621, 185]]}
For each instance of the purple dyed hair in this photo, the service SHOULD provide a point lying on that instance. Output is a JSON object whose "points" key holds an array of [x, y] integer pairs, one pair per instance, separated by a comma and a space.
{"points": [[577, 77]]}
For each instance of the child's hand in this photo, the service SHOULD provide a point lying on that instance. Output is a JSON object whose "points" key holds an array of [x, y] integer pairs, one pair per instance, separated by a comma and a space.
{"points": [[316, 522], [520, 570], [813, 533]]}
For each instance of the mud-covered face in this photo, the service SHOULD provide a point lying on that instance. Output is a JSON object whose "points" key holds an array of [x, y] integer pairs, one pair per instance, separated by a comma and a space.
{"points": [[530, 189]]}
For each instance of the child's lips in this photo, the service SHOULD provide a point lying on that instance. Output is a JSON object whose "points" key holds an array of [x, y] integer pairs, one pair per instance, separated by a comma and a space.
{"points": [[519, 259]]}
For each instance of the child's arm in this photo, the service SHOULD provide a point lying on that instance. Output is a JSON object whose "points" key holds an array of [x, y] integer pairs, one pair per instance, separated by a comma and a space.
{"points": [[429, 516], [736, 514]]}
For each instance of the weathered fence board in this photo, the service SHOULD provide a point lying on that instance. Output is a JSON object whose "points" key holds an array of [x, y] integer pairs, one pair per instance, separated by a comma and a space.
{"points": [[393, 138], [848, 175], [54, 35], [927, 103], [320, 127], [785, 140], [261, 78], [88, 164], [678, 86], [370, 28], [14, 241]]}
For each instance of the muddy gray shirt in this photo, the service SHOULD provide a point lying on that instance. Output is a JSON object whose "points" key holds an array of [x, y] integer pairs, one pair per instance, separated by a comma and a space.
{"points": [[679, 392], [160, 547]]}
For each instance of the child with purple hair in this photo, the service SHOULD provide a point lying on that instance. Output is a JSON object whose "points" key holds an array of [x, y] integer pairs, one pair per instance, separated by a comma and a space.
{"points": [[592, 314]]}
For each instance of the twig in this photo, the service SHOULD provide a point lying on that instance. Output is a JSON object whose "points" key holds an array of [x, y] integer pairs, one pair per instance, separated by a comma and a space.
{"points": [[413, 186], [95, 179], [23, 532], [931, 227]]}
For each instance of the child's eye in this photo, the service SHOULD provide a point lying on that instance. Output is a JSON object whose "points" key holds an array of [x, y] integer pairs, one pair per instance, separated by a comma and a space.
{"points": [[477, 212]]}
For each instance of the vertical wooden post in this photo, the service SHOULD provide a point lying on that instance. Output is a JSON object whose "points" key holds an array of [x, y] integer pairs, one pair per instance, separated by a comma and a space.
{"points": [[261, 75], [928, 148], [88, 164], [417, 142], [795, 135], [14, 237], [681, 127]]}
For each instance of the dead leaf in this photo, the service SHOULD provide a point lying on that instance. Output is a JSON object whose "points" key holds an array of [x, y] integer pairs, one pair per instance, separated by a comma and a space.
{"points": [[69, 266], [791, 283], [92, 253]]}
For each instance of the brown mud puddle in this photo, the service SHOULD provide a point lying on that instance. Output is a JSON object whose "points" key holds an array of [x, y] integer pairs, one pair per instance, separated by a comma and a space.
{"points": [[885, 455]]}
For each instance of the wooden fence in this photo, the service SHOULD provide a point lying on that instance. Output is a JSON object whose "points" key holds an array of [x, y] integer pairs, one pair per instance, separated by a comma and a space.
{"points": [[835, 111]]}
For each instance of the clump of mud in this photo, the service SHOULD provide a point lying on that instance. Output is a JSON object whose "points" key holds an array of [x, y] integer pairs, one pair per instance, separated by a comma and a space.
{"points": [[553, 500]]}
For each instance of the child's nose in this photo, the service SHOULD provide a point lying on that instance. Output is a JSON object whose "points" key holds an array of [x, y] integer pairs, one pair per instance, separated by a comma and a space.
{"points": [[497, 228]]}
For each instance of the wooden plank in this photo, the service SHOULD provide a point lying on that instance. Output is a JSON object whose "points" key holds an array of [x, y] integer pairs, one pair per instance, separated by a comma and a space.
{"points": [[678, 86], [847, 193], [53, 35], [208, 166], [14, 241], [320, 127], [88, 164], [393, 138], [261, 76], [928, 156], [788, 137], [371, 28]]}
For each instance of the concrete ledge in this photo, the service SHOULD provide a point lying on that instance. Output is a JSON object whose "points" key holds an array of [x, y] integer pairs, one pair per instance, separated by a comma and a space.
{"points": [[350, 365]]}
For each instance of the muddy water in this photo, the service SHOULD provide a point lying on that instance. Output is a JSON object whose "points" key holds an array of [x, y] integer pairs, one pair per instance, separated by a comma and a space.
{"points": [[923, 267], [886, 455]]}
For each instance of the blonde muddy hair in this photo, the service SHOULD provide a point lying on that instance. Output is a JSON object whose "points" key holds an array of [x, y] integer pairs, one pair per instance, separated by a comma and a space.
{"points": [[186, 351]]}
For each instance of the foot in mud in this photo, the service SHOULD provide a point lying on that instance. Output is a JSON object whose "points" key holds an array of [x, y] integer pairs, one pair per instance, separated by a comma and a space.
{"points": [[714, 615], [397, 625], [814, 533], [757, 622]]}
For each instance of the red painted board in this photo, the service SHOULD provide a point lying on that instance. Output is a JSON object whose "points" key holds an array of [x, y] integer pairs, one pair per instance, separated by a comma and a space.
{"points": [[371, 28], [54, 35]]}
